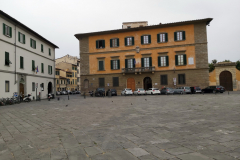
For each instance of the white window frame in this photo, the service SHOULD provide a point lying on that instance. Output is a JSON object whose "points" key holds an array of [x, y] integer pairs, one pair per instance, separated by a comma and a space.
{"points": [[115, 64], [129, 41], [21, 39], [162, 37], [7, 30], [163, 61], [179, 36], [114, 42], [130, 63], [180, 60], [146, 62], [145, 39]]}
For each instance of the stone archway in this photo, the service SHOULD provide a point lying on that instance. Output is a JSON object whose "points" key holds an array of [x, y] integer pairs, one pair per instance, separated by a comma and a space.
{"points": [[147, 83], [225, 79]]}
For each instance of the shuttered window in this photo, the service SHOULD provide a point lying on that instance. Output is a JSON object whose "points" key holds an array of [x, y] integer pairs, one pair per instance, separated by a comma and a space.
{"points": [[101, 82], [100, 65], [33, 65], [49, 52], [181, 79], [146, 62], [164, 80], [33, 86], [49, 69], [21, 37], [114, 42], [179, 36], [146, 39], [42, 67], [32, 43], [7, 86], [100, 44], [129, 41], [163, 61], [7, 61], [41, 47], [162, 37], [7, 30], [180, 60], [115, 64], [21, 62], [115, 81]]}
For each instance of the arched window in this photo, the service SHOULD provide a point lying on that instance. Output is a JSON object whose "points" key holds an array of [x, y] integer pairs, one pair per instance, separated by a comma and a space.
{"points": [[86, 83]]}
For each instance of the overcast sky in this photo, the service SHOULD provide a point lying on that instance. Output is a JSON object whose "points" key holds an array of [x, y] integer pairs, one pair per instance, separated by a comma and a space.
{"points": [[59, 20]]}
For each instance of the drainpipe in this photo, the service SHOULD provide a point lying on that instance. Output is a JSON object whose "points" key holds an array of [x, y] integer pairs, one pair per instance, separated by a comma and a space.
{"points": [[15, 54]]}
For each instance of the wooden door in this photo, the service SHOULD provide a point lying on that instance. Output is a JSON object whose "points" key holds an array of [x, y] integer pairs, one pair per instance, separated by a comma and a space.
{"points": [[225, 78], [131, 83], [21, 89]]}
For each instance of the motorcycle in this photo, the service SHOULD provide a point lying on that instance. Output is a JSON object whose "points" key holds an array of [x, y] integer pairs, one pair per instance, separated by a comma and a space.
{"points": [[27, 98], [91, 93]]}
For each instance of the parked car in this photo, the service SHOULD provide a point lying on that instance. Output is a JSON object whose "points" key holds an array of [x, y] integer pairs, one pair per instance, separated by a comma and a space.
{"points": [[100, 92], [78, 92], [213, 89], [69, 92], [64, 92], [153, 91], [139, 91], [127, 91], [167, 90], [113, 92], [73, 92], [196, 90], [182, 90], [58, 93]]}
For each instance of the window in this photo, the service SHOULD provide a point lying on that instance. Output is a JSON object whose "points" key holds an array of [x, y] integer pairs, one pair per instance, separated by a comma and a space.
{"points": [[129, 41], [114, 42], [101, 82], [163, 61], [64, 81], [7, 31], [7, 61], [128, 26], [57, 81], [146, 39], [75, 74], [179, 36], [49, 69], [73, 81], [100, 44], [33, 86], [77, 71], [42, 67], [57, 72], [41, 47], [130, 63], [7, 87], [115, 64], [180, 60], [49, 52], [164, 80], [78, 79], [21, 37], [162, 37], [33, 43], [146, 62], [21, 62], [181, 79], [33, 65], [72, 74], [42, 86], [115, 81], [100, 65]]}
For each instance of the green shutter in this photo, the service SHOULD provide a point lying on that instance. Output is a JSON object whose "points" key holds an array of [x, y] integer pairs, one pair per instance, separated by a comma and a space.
{"points": [[142, 62], [51, 69], [133, 41], [167, 61], [33, 65], [103, 41], [49, 52], [111, 64], [6, 58], [101, 65], [125, 39], [31, 42], [42, 67], [118, 42], [21, 62], [166, 37], [4, 32], [118, 62], [35, 45], [126, 63], [159, 61], [175, 36], [97, 44], [10, 29], [149, 38], [183, 35], [18, 36], [141, 39], [184, 59], [133, 61], [158, 38], [24, 38], [176, 60], [150, 61], [110, 42]]}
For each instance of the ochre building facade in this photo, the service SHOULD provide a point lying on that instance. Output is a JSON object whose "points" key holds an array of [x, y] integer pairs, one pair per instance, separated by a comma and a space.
{"points": [[169, 55]]}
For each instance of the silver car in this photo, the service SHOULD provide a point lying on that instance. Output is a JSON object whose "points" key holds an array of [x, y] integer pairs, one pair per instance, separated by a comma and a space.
{"points": [[127, 91], [139, 91], [183, 90]]}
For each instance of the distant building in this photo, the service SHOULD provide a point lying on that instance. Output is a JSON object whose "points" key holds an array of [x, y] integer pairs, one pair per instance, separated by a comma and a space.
{"points": [[27, 60], [70, 64], [227, 75], [142, 56]]}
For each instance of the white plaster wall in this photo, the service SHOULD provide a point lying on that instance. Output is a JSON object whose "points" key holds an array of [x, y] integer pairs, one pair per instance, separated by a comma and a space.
{"points": [[13, 88], [5, 47]]}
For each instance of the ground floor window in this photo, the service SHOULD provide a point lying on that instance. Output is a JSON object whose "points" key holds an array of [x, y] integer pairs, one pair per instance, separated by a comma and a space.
{"points": [[115, 81], [164, 80], [101, 82], [181, 79], [7, 86], [33, 86]]}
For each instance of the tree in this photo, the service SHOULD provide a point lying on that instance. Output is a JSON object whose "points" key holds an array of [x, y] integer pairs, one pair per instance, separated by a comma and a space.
{"points": [[226, 60], [211, 67], [214, 61], [238, 65]]}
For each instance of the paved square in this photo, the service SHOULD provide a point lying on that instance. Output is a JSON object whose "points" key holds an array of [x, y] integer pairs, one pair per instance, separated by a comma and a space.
{"points": [[187, 127]]}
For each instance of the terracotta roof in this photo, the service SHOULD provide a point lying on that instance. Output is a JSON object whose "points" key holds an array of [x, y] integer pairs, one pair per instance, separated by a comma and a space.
{"points": [[25, 27], [206, 20]]}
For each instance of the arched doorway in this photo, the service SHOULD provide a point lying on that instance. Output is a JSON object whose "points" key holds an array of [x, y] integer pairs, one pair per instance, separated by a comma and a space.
{"points": [[225, 78], [131, 83], [49, 87], [147, 83], [21, 86]]}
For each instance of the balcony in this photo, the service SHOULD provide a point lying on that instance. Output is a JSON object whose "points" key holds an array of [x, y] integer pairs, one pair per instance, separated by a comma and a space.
{"points": [[138, 70]]}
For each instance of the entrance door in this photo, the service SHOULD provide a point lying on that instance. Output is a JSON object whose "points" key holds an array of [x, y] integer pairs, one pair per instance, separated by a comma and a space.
{"points": [[21, 89], [131, 83], [225, 78], [147, 81], [49, 87]]}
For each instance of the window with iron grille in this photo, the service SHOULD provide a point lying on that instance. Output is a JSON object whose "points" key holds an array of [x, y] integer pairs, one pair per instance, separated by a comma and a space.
{"points": [[130, 63], [146, 62], [181, 79], [164, 80], [101, 82], [115, 81]]}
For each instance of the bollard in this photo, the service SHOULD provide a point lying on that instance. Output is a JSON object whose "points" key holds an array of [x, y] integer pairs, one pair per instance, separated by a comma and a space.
{"points": [[58, 98], [84, 94], [68, 96]]}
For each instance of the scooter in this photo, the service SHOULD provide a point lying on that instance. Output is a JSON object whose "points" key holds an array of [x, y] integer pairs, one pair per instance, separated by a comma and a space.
{"points": [[91, 93], [27, 98]]}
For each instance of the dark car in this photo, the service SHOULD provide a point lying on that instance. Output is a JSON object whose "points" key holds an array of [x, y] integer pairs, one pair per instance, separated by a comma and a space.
{"points": [[100, 92], [196, 90], [167, 90], [113, 92], [213, 89]]}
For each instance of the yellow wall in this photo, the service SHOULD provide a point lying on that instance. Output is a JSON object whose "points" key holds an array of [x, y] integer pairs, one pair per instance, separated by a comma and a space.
{"points": [[189, 30], [212, 78], [237, 74]]}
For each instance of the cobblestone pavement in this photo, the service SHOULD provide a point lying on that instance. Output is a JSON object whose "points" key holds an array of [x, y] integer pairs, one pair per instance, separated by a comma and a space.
{"points": [[186, 127]]}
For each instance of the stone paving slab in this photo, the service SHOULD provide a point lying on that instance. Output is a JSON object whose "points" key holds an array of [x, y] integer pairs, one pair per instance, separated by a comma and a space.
{"points": [[186, 127]]}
